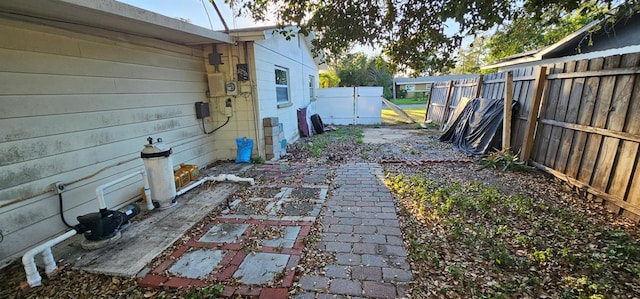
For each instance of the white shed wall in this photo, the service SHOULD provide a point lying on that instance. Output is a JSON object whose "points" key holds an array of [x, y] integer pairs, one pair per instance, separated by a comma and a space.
{"points": [[72, 104], [295, 56]]}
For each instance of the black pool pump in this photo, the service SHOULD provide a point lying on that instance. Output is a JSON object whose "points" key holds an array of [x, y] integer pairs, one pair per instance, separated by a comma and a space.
{"points": [[105, 224]]}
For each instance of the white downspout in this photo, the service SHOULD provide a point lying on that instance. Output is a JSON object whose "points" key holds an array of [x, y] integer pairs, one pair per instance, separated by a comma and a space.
{"points": [[33, 277]]}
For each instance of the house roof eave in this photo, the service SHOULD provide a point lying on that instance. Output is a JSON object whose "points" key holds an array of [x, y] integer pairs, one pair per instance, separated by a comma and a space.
{"points": [[114, 16]]}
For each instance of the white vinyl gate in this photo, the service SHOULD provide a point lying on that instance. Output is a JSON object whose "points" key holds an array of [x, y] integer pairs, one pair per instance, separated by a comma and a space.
{"points": [[350, 105]]}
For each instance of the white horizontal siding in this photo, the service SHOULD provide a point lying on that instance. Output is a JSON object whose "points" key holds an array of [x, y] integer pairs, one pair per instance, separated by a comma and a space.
{"points": [[295, 56], [72, 104]]}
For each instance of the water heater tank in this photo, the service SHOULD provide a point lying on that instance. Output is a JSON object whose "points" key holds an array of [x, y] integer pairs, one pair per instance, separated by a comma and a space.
{"points": [[159, 166]]}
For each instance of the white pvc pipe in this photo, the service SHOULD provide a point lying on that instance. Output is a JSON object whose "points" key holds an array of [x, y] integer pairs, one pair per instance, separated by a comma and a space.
{"points": [[49, 261], [231, 177], [100, 189], [196, 184], [147, 190], [218, 178], [28, 259]]}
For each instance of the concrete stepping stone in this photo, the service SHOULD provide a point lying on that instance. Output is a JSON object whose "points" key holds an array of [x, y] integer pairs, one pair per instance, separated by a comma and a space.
{"points": [[197, 264], [260, 268], [286, 241], [224, 233]]}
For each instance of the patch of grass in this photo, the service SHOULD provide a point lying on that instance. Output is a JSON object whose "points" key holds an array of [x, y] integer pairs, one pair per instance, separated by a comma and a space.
{"points": [[209, 292], [410, 101], [391, 118], [257, 160], [431, 125], [316, 147]]}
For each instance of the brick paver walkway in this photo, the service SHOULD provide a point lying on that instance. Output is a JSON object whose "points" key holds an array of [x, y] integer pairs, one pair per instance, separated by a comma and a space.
{"points": [[361, 227]]}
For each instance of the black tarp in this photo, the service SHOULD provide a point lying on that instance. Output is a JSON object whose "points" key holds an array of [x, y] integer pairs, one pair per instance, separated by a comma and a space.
{"points": [[478, 129]]}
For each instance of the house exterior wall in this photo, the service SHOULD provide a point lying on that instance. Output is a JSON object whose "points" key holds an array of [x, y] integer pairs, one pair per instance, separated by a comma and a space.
{"points": [[242, 122], [72, 104], [295, 56]]}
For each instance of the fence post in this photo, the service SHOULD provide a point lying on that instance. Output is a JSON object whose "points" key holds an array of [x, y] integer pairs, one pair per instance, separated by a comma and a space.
{"points": [[355, 106], [480, 86], [508, 101], [426, 112], [532, 118], [447, 102]]}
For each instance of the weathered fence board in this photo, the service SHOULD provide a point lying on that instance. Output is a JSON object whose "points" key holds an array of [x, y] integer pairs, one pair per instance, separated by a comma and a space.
{"points": [[593, 157], [585, 113], [549, 105], [439, 96], [575, 95], [578, 120], [595, 132]]}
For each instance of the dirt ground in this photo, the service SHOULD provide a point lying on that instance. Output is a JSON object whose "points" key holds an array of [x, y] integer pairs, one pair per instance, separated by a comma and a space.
{"points": [[406, 150]]}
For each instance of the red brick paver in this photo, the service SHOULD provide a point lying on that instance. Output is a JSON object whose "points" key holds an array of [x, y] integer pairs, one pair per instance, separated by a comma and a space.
{"points": [[232, 258], [362, 229]]}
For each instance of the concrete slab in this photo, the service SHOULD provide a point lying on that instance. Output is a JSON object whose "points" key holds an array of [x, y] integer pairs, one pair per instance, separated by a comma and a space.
{"points": [[224, 233], [386, 135], [147, 238], [197, 264], [286, 241], [298, 203], [261, 267]]}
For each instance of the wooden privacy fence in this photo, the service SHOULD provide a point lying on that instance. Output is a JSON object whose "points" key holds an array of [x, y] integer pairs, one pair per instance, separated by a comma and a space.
{"points": [[578, 120], [446, 95]]}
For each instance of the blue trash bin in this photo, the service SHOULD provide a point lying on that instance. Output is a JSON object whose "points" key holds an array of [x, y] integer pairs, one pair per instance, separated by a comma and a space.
{"points": [[245, 147]]}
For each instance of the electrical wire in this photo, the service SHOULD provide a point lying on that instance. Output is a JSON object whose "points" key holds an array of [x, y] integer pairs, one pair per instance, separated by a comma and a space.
{"points": [[207, 12], [23, 198], [216, 129], [62, 212], [101, 170]]}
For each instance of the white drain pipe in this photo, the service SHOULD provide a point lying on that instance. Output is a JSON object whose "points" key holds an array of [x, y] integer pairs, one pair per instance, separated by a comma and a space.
{"points": [[218, 178], [231, 177], [147, 190], [28, 259]]}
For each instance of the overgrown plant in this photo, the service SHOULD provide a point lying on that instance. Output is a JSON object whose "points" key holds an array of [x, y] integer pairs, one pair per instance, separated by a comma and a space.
{"points": [[505, 160], [257, 160], [210, 292]]}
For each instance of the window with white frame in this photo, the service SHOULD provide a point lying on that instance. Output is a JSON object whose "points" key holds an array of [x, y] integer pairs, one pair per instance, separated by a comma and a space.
{"points": [[312, 88], [282, 85]]}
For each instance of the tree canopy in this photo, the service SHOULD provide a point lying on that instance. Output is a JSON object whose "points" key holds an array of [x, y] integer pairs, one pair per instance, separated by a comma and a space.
{"points": [[526, 33], [523, 34], [416, 34], [357, 69]]}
